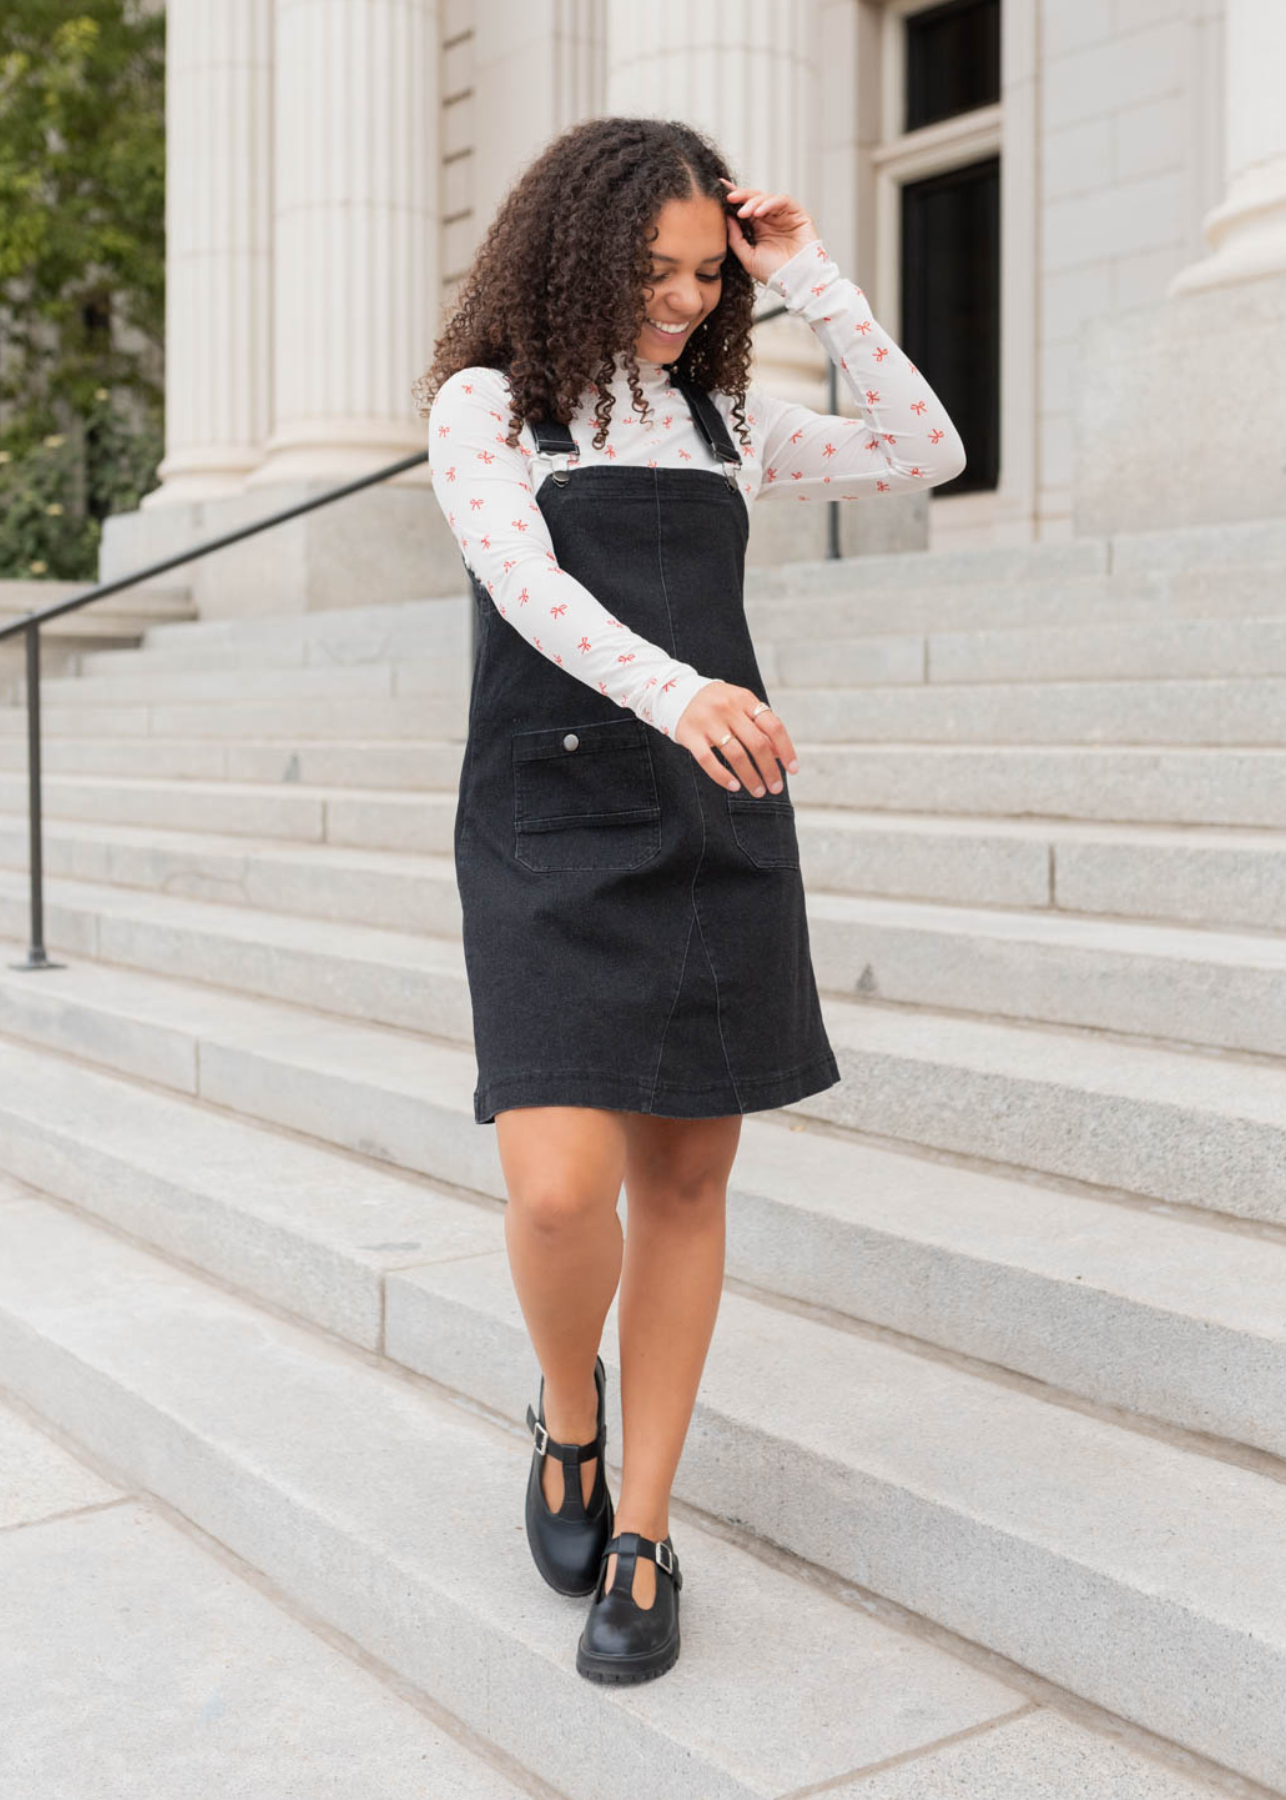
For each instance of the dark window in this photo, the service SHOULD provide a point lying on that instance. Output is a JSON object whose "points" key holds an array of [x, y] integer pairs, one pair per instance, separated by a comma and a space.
{"points": [[952, 60], [951, 306]]}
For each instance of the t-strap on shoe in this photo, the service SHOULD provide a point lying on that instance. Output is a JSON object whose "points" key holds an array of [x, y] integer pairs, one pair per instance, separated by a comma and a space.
{"points": [[621, 1640], [567, 1545]]}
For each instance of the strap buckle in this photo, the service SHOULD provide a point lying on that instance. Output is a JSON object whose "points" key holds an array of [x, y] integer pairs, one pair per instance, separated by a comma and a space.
{"points": [[541, 1436], [557, 460], [665, 1558]]}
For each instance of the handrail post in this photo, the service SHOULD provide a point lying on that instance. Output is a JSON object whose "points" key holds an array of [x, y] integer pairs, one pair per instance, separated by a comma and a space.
{"points": [[832, 511], [36, 957]]}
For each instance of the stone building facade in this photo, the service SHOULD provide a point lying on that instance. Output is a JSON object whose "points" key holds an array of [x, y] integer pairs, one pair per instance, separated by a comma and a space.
{"points": [[333, 163]]}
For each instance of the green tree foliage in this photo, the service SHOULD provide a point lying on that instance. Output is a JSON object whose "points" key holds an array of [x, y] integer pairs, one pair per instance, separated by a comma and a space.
{"points": [[82, 275]]}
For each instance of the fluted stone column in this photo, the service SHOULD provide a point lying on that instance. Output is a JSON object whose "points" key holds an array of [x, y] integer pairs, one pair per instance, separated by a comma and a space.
{"points": [[751, 77], [1247, 230], [218, 196], [747, 75], [354, 253]]}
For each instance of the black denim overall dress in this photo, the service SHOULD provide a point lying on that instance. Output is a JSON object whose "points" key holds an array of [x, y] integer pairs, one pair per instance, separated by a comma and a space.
{"points": [[634, 935]]}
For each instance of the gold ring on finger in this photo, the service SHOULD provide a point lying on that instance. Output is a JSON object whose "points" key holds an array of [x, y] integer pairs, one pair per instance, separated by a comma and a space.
{"points": [[763, 706], [723, 740]]}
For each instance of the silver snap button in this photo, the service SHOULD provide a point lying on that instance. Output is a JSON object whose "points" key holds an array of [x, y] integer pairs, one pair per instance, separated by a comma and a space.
{"points": [[570, 741]]}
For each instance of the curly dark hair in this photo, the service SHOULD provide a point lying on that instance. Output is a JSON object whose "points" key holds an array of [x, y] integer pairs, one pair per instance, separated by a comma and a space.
{"points": [[555, 291]]}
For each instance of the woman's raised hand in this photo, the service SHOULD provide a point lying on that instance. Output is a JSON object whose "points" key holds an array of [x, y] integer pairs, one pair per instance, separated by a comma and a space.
{"points": [[720, 707], [780, 224]]}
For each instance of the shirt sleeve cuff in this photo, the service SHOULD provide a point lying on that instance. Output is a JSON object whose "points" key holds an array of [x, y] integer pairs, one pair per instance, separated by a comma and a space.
{"points": [[809, 267], [669, 708]]}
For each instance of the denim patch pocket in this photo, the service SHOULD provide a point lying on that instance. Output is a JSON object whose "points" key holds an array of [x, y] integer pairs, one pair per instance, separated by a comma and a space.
{"points": [[585, 796], [765, 828]]}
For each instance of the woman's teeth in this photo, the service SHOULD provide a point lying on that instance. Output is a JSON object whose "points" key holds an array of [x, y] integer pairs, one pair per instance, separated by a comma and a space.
{"points": [[669, 330]]}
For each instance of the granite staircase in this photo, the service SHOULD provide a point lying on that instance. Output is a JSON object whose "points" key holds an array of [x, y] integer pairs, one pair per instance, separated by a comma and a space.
{"points": [[985, 1489]]}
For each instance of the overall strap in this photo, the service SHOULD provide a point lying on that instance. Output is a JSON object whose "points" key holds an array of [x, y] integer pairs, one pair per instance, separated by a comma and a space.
{"points": [[711, 425], [554, 440]]}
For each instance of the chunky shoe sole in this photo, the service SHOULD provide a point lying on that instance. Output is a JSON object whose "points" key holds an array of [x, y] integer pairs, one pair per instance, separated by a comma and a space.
{"points": [[615, 1641], [567, 1544], [645, 1667]]}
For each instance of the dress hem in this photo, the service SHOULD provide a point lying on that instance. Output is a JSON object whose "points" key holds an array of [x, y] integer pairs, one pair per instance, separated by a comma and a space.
{"points": [[586, 1087]]}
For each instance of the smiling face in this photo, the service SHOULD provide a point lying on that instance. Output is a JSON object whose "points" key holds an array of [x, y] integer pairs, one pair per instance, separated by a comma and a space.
{"points": [[689, 242]]}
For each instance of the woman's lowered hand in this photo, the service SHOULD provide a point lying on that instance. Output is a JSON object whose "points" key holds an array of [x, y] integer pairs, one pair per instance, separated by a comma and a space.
{"points": [[720, 707]]}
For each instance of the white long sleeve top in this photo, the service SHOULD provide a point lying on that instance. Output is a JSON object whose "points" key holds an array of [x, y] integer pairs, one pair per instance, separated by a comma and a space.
{"points": [[901, 438]]}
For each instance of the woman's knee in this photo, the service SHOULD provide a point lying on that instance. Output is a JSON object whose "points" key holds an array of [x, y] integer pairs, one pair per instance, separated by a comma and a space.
{"points": [[562, 1165], [682, 1164], [558, 1207]]}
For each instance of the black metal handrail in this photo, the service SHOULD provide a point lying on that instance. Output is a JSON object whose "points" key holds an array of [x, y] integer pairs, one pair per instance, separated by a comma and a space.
{"points": [[30, 623], [36, 956]]}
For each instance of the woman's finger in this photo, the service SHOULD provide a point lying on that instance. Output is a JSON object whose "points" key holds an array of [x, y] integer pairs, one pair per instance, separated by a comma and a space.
{"points": [[783, 748], [715, 769], [757, 745]]}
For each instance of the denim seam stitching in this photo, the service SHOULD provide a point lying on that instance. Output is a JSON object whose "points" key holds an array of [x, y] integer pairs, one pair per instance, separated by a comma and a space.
{"points": [[660, 1051], [692, 891]]}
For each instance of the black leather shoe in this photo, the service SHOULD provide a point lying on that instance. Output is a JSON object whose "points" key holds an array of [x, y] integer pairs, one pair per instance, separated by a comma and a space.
{"points": [[621, 1640], [567, 1545]]}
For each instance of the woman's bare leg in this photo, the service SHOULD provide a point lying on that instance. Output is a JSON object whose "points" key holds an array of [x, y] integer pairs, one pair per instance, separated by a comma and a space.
{"points": [[563, 1168], [676, 1182]]}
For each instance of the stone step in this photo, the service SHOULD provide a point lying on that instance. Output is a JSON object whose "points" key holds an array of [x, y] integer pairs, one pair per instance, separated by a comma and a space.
{"points": [[1198, 876], [398, 978], [983, 1456], [1214, 711], [1155, 1558], [1122, 784], [392, 1511], [344, 636], [133, 682], [304, 762], [1154, 1123], [1189, 547], [1143, 1312], [1045, 785], [1216, 990], [1164, 1124], [1193, 648], [1163, 713], [407, 715], [436, 630], [397, 890], [1138, 598], [208, 1675], [1200, 546], [386, 819]]}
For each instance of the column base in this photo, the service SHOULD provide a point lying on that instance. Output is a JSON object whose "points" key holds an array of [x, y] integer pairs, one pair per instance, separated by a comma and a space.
{"points": [[1248, 233], [380, 545], [1177, 420]]}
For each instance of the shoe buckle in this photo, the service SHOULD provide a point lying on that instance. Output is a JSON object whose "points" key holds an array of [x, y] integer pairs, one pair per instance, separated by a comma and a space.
{"points": [[541, 1436], [665, 1558]]}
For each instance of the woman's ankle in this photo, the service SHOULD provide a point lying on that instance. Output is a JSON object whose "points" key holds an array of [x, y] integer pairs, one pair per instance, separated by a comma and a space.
{"points": [[649, 1522], [574, 1422]]}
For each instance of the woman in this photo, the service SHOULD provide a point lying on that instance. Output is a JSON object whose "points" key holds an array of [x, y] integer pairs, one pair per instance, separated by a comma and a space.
{"points": [[635, 939]]}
